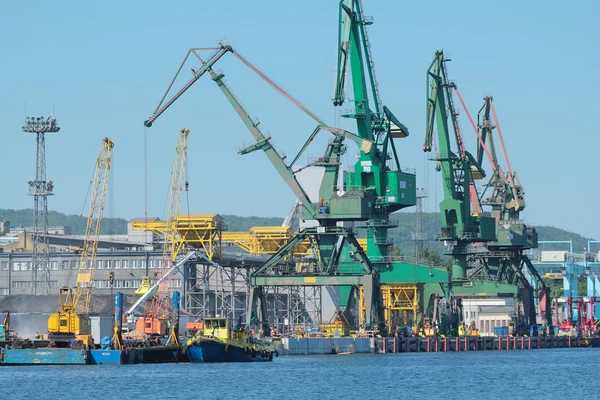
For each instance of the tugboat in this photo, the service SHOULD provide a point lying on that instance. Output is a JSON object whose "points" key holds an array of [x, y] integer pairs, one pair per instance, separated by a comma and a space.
{"points": [[220, 342]]}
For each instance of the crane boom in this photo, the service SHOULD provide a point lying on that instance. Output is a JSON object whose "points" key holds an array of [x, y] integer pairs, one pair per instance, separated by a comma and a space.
{"points": [[161, 302], [178, 185], [87, 261], [220, 52], [153, 288], [459, 224], [263, 143]]}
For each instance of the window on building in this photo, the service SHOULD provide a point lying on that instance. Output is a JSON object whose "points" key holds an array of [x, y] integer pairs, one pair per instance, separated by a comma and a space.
{"points": [[54, 265], [117, 264], [472, 314], [4, 265], [21, 266], [30, 265], [125, 264], [493, 324], [487, 326], [134, 264], [65, 264], [481, 326], [74, 264], [4, 291], [159, 263], [109, 264]]}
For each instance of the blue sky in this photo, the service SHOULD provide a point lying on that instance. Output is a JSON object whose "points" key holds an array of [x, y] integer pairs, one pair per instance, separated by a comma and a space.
{"points": [[104, 66]]}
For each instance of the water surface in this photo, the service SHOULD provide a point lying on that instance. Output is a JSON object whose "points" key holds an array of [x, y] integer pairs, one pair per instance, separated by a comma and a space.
{"points": [[535, 374]]}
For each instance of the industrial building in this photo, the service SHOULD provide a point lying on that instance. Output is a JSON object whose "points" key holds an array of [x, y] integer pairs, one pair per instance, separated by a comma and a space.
{"points": [[207, 289]]}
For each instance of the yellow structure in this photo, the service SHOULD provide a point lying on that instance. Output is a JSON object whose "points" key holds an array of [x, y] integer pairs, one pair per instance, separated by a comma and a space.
{"points": [[198, 231], [72, 319], [208, 231], [177, 186], [264, 240], [399, 301], [363, 243]]}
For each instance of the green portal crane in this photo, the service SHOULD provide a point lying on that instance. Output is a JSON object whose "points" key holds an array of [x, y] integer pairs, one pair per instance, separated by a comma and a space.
{"points": [[327, 239], [360, 200], [506, 259], [461, 226], [377, 170]]}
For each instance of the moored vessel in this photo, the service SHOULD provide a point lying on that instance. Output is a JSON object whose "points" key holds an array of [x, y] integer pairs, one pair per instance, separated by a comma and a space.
{"points": [[220, 342]]}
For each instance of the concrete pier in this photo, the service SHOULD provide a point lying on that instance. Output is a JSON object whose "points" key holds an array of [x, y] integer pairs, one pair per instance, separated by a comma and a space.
{"points": [[308, 346]]}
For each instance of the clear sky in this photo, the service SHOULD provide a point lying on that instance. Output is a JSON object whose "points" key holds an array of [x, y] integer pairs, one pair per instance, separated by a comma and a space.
{"points": [[103, 67]]}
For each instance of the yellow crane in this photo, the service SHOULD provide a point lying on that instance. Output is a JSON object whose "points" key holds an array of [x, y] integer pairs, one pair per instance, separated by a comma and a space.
{"points": [[72, 319], [157, 309], [169, 229]]}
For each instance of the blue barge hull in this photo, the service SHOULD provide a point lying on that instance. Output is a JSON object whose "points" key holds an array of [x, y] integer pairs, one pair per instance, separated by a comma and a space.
{"points": [[44, 357], [99, 357], [212, 351], [145, 355], [154, 355]]}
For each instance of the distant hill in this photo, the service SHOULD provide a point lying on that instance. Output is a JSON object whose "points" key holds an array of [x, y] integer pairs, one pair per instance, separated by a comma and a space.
{"points": [[401, 236], [109, 226], [236, 223], [432, 224], [552, 233]]}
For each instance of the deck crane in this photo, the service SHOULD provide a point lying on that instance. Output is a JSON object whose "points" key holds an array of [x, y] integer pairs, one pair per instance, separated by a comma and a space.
{"points": [[507, 259], [354, 203], [158, 311], [72, 319], [461, 226]]}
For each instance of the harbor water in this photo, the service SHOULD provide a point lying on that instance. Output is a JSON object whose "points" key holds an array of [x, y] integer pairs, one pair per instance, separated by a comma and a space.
{"points": [[536, 374]]}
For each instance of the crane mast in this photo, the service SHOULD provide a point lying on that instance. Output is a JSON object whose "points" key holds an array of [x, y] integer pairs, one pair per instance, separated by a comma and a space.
{"points": [[158, 307], [377, 170], [178, 185], [87, 261]]}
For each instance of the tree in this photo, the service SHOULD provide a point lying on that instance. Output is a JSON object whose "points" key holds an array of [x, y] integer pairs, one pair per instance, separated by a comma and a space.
{"points": [[582, 285], [432, 257]]}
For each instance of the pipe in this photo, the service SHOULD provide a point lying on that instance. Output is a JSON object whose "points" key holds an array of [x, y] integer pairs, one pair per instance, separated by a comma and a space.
{"points": [[165, 276]]}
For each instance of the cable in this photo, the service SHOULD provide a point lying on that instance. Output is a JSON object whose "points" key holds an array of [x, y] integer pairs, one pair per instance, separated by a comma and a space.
{"points": [[145, 175], [111, 198], [85, 202]]}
